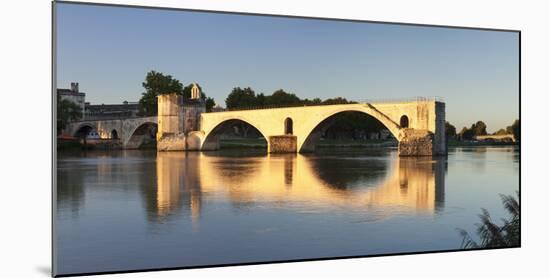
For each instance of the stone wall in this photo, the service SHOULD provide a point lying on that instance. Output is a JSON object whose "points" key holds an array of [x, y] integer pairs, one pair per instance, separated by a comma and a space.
{"points": [[169, 111], [171, 142], [124, 128], [416, 143], [194, 141], [191, 113], [177, 119], [282, 144]]}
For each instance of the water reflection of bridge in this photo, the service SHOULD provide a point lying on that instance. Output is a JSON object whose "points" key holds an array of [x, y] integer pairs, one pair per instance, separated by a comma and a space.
{"points": [[412, 184]]}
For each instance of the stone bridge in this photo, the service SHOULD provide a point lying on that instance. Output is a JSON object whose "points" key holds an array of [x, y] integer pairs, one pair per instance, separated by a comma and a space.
{"points": [[503, 137], [183, 125], [418, 125], [131, 131]]}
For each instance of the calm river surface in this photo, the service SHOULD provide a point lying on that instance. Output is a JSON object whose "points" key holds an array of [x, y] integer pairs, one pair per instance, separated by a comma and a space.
{"points": [[141, 209]]}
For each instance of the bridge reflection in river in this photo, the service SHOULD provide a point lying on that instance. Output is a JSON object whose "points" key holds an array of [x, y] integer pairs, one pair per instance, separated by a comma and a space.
{"points": [[415, 185], [191, 208]]}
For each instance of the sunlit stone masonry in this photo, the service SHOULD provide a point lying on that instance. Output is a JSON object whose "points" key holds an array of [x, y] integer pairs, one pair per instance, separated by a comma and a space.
{"points": [[177, 119], [183, 125]]}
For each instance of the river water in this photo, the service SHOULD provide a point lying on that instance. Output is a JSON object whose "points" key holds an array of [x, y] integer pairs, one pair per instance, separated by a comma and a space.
{"points": [[141, 209]]}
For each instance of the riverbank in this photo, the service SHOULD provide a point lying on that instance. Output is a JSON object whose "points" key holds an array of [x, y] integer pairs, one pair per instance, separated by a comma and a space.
{"points": [[466, 143], [243, 143], [327, 143], [346, 143], [261, 144], [97, 144]]}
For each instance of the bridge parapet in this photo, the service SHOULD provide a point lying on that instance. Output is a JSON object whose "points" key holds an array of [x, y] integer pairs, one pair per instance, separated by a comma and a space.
{"points": [[377, 101]]}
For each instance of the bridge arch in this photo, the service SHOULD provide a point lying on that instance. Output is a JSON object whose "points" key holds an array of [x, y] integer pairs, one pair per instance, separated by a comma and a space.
{"points": [[314, 131], [140, 133], [114, 134], [212, 137], [83, 129]]}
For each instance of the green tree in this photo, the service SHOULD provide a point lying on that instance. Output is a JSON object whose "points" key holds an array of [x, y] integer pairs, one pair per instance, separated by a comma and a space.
{"points": [[261, 99], [450, 130], [337, 100], [514, 129], [479, 128], [155, 84], [315, 101], [241, 98], [280, 97], [466, 134], [210, 103], [501, 131], [67, 111], [492, 235]]}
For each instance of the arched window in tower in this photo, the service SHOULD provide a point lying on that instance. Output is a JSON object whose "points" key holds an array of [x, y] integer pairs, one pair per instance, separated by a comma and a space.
{"points": [[288, 126], [404, 122]]}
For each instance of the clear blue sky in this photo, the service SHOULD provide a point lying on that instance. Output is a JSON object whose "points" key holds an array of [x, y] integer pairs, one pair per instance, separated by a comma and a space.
{"points": [[109, 50]]}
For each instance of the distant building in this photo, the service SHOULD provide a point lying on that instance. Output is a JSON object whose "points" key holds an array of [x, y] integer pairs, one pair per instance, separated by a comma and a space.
{"points": [[99, 111], [73, 95], [111, 111]]}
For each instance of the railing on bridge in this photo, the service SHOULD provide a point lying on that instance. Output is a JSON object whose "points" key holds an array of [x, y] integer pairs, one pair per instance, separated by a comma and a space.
{"points": [[307, 104], [302, 104], [400, 100], [95, 119]]}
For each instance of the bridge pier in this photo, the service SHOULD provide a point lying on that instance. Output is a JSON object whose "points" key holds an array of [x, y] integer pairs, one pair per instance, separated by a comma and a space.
{"points": [[416, 143], [171, 142], [282, 144], [178, 122], [211, 145]]}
